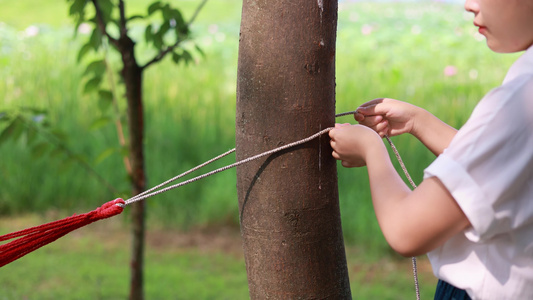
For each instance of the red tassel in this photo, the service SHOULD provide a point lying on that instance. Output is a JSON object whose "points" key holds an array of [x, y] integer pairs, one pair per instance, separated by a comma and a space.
{"points": [[34, 238]]}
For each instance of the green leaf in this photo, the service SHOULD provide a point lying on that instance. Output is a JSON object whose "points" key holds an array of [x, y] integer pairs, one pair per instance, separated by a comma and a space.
{"points": [[77, 8], [187, 56], [163, 29], [77, 26], [167, 12], [59, 134], [176, 57], [180, 25], [96, 39], [202, 53], [56, 152], [34, 110], [104, 154], [96, 67], [148, 34], [135, 17], [100, 122], [104, 104], [116, 24], [84, 50], [105, 99], [106, 8], [105, 94], [66, 164], [182, 30], [40, 149], [154, 7], [13, 130], [31, 134], [92, 84], [157, 41]]}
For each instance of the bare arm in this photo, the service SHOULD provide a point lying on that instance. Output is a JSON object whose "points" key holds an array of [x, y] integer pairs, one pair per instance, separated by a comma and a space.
{"points": [[392, 117], [413, 222], [432, 132]]}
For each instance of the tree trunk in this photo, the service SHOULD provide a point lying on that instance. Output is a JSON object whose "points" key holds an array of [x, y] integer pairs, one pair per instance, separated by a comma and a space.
{"points": [[132, 75], [288, 202]]}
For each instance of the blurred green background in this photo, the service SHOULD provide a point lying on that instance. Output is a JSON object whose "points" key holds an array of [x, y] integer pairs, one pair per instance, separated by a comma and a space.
{"points": [[426, 52]]}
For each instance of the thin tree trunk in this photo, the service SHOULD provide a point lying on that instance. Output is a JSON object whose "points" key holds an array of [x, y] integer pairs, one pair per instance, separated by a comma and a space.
{"points": [[132, 75], [288, 202]]}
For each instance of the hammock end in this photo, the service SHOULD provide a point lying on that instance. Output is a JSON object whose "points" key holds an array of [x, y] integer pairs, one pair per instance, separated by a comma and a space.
{"points": [[119, 202]]}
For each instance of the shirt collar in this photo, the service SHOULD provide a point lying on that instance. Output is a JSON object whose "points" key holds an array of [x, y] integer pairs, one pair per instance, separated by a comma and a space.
{"points": [[523, 65]]}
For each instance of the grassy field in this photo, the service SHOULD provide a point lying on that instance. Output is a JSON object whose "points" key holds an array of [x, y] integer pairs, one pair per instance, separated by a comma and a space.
{"points": [[92, 263], [426, 53]]}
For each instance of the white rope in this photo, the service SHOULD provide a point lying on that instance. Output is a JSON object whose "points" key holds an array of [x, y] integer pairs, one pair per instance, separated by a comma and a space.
{"points": [[133, 199], [147, 195], [153, 191]]}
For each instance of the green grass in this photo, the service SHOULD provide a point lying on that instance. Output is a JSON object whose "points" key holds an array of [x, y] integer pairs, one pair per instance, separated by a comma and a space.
{"points": [[92, 263], [397, 50]]}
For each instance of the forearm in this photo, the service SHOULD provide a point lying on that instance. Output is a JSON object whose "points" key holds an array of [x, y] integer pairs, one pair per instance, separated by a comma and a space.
{"points": [[413, 222], [388, 194], [432, 132]]}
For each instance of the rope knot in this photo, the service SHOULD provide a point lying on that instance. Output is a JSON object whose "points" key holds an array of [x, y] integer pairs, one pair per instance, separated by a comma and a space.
{"points": [[110, 209]]}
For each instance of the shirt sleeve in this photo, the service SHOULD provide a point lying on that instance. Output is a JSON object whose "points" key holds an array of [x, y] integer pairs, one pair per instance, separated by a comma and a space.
{"points": [[488, 166]]}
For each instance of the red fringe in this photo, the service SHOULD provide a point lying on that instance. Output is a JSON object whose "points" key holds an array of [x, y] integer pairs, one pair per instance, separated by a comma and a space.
{"points": [[34, 238]]}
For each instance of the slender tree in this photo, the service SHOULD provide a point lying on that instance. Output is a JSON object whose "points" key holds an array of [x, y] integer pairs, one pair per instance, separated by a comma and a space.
{"points": [[288, 202], [167, 34]]}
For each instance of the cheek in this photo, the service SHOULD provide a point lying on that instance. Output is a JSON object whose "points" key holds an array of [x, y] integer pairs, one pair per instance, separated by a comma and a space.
{"points": [[517, 26], [510, 36]]}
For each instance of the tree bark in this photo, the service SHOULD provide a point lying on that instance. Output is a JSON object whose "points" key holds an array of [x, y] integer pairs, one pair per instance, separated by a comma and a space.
{"points": [[288, 202], [132, 75]]}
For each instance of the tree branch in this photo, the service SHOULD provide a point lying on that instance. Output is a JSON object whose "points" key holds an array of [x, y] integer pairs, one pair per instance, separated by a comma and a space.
{"points": [[162, 54], [118, 124], [169, 49], [196, 12], [101, 24], [122, 22]]}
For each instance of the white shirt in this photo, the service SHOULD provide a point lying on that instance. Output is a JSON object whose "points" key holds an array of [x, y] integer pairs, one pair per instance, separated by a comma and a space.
{"points": [[488, 169]]}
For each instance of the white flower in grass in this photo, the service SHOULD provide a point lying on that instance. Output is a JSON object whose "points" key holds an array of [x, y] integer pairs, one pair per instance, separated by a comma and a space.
{"points": [[366, 29], [32, 30], [220, 37], [473, 74], [213, 28], [84, 28], [415, 29]]}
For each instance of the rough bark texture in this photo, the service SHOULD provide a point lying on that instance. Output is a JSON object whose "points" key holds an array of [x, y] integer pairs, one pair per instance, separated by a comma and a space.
{"points": [[289, 210]]}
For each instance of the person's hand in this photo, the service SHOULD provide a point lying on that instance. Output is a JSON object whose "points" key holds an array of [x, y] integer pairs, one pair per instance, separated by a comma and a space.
{"points": [[387, 116], [351, 144]]}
